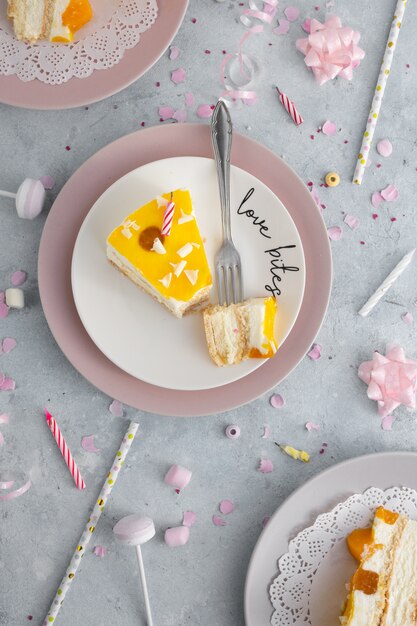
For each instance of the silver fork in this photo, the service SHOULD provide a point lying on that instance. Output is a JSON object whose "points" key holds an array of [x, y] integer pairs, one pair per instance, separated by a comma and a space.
{"points": [[228, 263]]}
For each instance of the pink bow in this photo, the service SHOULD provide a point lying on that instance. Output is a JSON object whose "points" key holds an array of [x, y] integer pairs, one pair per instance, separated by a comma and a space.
{"points": [[331, 50], [391, 380]]}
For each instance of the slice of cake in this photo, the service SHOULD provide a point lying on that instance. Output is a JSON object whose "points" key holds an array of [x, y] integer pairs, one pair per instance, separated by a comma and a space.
{"points": [[159, 247], [241, 331], [383, 590], [55, 20]]}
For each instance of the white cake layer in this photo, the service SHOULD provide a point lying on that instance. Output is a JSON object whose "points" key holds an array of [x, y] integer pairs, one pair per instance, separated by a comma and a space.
{"points": [[401, 608]]}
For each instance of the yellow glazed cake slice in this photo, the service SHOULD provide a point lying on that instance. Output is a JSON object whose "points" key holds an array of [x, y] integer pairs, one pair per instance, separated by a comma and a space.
{"points": [[56, 20], [240, 331], [172, 268], [383, 590]]}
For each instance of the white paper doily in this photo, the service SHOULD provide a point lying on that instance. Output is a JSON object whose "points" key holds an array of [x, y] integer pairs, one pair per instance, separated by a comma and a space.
{"points": [[116, 26], [310, 587]]}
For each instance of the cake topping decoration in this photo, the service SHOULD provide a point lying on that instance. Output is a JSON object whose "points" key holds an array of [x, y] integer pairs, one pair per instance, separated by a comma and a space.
{"points": [[192, 276], [161, 201], [148, 236], [185, 217], [185, 250], [178, 267], [158, 246], [166, 280]]}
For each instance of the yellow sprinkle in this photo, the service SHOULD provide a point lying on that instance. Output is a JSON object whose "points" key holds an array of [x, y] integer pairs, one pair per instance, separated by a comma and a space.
{"points": [[92, 529], [298, 455]]}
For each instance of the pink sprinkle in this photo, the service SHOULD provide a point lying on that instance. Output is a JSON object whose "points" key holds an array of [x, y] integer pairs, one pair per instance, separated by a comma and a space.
{"points": [[329, 128], [277, 401], [265, 466], [142, 124], [166, 113], [384, 147], [393, 219], [30, 617], [335, 233], [292, 13], [180, 116], [87, 443], [407, 318], [362, 243], [189, 518], [47, 181], [18, 278], [387, 422], [8, 344], [174, 53], [157, 84], [267, 432], [306, 25], [204, 111], [311, 136], [376, 199], [265, 520], [100, 551], [378, 165], [178, 76], [8, 384], [374, 216], [351, 221], [194, 21], [282, 28], [390, 193], [218, 521], [68, 148], [189, 99], [207, 51], [226, 507], [312, 426], [315, 352], [116, 408]]}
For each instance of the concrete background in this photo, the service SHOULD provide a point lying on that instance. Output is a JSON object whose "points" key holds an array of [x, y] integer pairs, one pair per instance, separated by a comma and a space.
{"points": [[202, 583]]}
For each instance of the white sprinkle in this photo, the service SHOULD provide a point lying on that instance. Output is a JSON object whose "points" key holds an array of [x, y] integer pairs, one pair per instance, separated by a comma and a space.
{"points": [[158, 246], [196, 245], [134, 225], [178, 267], [161, 202], [192, 276], [185, 217], [126, 233], [185, 250], [166, 280]]}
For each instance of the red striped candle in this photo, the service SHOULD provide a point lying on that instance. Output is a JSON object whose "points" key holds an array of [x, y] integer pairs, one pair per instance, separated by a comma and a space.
{"points": [[168, 217], [65, 451], [290, 107]]}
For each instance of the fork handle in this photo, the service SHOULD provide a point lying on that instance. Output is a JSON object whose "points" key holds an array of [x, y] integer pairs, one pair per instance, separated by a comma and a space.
{"points": [[221, 135]]}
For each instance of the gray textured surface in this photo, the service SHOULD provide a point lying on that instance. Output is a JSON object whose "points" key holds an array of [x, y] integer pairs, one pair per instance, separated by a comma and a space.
{"points": [[202, 583]]}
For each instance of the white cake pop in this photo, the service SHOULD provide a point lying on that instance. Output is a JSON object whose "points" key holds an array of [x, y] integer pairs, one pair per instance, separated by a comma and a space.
{"points": [[30, 198], [135, 530]]}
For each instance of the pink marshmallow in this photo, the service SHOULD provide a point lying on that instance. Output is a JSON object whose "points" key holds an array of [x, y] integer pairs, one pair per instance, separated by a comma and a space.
{"points": [[175, 537], [178, 476]]}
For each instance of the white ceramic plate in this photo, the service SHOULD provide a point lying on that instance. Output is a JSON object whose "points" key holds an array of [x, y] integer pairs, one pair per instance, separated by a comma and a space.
{"points": [[139, 335], [300, 510]]}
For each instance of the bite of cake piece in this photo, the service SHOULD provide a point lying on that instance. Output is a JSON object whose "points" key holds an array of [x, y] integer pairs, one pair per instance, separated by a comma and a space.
{"points": [[241, 331], [171, 267]]}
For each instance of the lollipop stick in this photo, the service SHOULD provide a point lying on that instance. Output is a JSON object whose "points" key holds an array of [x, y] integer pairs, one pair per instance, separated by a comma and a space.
{"points": [[144, 586], [7, 194]]}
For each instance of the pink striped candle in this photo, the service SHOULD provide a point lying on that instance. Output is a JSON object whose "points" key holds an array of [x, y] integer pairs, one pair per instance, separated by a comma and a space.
{"points": [[65, 451], [168, 217], [290, 107]]}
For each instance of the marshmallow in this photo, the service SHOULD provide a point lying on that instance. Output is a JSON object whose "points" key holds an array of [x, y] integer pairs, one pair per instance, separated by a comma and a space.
{"points": [[15, 298], [178, 536], [178, 476]]}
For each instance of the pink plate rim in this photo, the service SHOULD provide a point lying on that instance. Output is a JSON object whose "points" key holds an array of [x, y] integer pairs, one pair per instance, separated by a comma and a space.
{"points": [[78, 196], [102, 83]]}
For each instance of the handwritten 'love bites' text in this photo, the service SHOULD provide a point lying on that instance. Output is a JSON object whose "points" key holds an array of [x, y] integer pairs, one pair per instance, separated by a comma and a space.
{"points": [[278, 266]]}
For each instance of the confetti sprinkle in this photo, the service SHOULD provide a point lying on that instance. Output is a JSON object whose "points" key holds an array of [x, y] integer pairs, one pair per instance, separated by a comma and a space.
{"points": [[218, 521], [6, 384], [178, 76], [329, 128], [390, 193], [189, 518], [204, 111], [174, 53], [100, 551], [189, 99], [277, 401], [407, 318], [335, 233], [387, 422], [166, 113], [265, 466], [87, 443], [47, 181], [267, 432], [376, 199], [175, 537], [8, 345], [282, 28], [384, 147], [306, 25], [351, 221], [180, 116], [292, 13], [315, 352], [226, 507], [18, 278], [312, 426], [116, 408], [298, 455]]}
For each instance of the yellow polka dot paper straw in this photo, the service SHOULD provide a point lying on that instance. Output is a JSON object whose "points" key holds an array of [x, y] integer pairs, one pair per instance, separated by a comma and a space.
{"points": [[91, 523], [379, 91]]}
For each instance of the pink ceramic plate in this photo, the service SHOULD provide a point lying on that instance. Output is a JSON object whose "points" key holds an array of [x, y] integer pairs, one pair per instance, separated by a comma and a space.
{"points": [[64, 222], [102, 83]]}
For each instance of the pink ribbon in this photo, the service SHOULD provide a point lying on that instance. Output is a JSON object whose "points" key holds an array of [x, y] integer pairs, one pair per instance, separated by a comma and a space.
{"points": [[331, 50]]}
